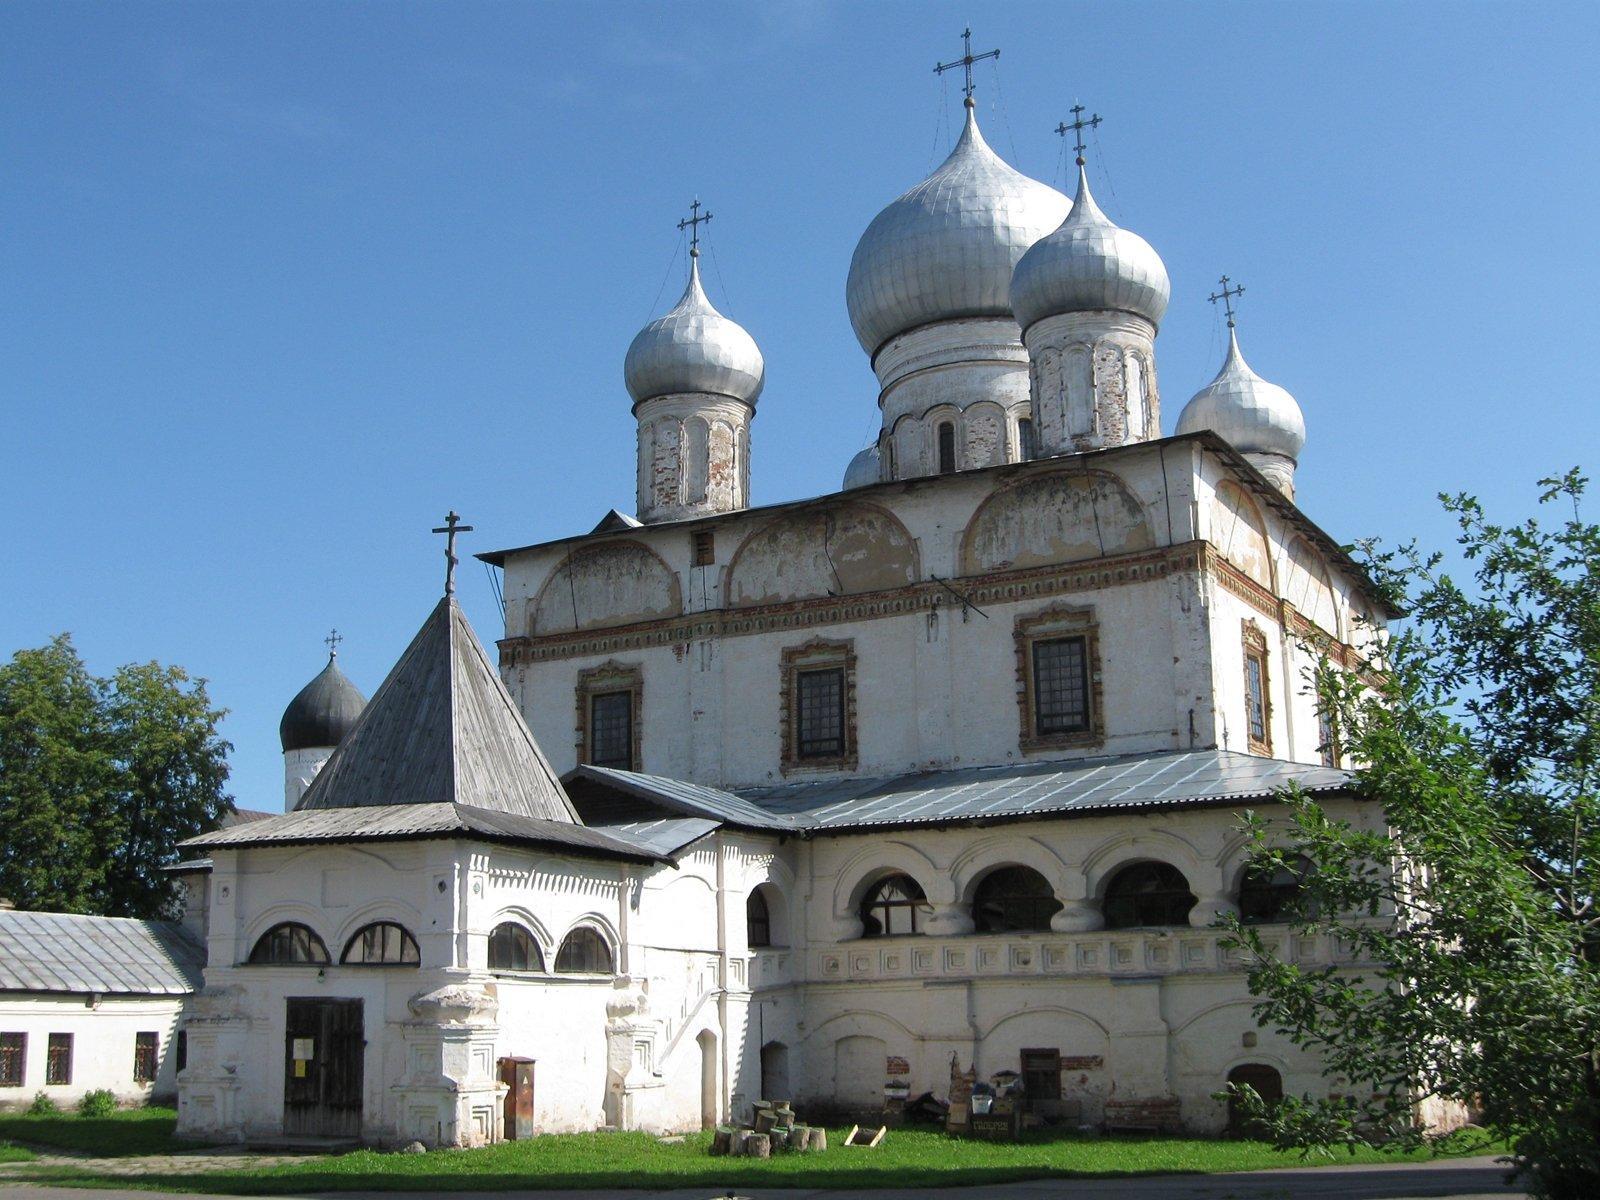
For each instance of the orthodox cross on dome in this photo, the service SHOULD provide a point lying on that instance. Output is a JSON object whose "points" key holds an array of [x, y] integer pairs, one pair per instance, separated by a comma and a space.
{"points": [[452, 526], [1077, 127], [332, 641], [965, 62], [1226, 295], [692, 223]]}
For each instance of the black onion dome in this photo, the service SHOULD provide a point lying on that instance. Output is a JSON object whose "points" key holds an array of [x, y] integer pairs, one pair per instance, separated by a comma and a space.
{"points": [[325, 710]]}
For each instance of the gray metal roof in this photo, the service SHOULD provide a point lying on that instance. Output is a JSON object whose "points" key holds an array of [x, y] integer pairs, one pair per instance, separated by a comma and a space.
{"points": [[665, 836], [1014, 791], [441, 729], [409, 821], [692, 799], [62, 952]]}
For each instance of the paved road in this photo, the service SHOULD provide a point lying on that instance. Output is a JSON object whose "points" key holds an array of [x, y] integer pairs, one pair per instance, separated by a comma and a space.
{"points": [[1458, 1179]]}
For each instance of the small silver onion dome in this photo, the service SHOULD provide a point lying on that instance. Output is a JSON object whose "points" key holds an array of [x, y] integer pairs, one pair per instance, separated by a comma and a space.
{"points": [[947, 247], [694, 348], [324, 711], [1252, 415], [863, 469], [1089, 264]]}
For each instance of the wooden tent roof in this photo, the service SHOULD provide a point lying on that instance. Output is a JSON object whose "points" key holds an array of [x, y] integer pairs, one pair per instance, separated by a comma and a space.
{"points": [[442, 729]]}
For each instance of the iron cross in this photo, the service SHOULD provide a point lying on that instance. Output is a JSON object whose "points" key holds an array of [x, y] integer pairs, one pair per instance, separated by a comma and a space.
{"points": [[452, 526], [1226, 295], [966, 61], [692, 223], [332, 640], [1077, 127]]}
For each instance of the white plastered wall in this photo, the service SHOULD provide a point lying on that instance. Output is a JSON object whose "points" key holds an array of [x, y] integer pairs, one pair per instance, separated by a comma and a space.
{"points": [[104, 1029]]}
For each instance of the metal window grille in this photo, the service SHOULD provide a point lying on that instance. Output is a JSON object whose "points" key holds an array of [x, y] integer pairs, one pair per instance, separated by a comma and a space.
{"points": [[58, 1059], [1255, 684], [13, 1053], [611, 730], [1061, 685], [145, 1047], [819, 713], [947, 448]]}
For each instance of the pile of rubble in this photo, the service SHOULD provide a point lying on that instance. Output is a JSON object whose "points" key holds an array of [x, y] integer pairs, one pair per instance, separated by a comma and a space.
{"points": [[774, 1132]]}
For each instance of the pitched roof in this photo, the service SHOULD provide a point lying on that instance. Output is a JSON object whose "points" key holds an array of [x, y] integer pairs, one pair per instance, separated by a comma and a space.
{"points": [[64, 952], [442, 729], [400, 822], [1013, 791]]}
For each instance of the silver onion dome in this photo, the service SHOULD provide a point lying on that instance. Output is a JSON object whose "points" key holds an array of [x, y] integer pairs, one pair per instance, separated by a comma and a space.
{"points": [[863, 469], [694, 348], [1089, 264], [947, 247], [1252, 415]]}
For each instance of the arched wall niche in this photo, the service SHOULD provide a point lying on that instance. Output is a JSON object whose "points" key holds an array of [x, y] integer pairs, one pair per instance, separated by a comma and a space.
{"points": [[1308, 586], [1058, 517], [844, 548], [1239, 532], [614, 583]]}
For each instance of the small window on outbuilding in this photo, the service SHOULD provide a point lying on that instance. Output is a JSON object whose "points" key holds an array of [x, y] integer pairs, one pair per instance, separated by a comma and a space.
{"points": [[1147, 894], [289, 944], [13, 1058], [146, 1056], [947, 447], [512, 948], [584, 952], [58, 1059], [892, 906], [383, 943]]}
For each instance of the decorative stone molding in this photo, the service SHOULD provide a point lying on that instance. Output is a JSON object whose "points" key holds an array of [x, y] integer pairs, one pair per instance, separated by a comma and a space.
{"points": [[817, 654], [1061, 621], [611, 676]]}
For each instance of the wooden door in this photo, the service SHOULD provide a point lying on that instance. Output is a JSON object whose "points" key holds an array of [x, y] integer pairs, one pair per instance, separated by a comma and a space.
{"points": [[324, 1046]]}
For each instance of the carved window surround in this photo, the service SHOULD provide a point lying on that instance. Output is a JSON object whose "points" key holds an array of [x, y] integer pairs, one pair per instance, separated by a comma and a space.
{"points": [[611, 676], [1258, 732], [816, 655], [1060, 621]]}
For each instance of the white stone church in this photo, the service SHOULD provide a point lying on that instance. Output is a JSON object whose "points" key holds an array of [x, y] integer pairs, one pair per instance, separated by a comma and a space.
{"points": [[805, 801]]}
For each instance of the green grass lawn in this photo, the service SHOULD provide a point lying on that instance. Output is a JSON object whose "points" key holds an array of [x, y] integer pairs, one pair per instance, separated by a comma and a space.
{"points": [[907, 1158], [10, 1153], [129, 1131]]}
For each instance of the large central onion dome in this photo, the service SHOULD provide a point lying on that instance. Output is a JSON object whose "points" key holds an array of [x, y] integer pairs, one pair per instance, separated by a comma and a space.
{"points": [[946, 248], [322, 713], [694, 348], [1088, 265], [1252, 415]]}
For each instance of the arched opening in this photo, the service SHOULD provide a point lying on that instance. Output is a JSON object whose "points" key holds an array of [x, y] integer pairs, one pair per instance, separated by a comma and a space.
{"points": [[1266, 1082], [512, 948], [708, 1079], [584, 952], [289, 944], [758, 919], [1013, 898], [383, 943], [1269, 893], [892, 906], [775, 1072], [1025, 449], [1148, 893], [947, 447]]}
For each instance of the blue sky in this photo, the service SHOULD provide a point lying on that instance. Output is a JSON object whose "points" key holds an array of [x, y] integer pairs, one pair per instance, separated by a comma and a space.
{"points": [[282, 283]]}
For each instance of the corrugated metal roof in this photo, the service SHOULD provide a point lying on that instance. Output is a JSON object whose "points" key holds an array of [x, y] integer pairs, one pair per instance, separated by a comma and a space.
{"points": [[402, 821], [1040, 789], [690, 798], [666, 836], [441, 728], [61, 952]]}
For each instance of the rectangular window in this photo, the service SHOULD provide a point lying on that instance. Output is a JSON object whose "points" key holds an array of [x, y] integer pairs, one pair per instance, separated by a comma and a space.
{"points": [[947, 447], [145, 1047], [705, 548], [1024, 439], [819, 713], [180, 1050], [1327, 740], [611, 730], [1041, 1074], [1257, 696], [1061, 686], [13, 1052], [58, 1060]]}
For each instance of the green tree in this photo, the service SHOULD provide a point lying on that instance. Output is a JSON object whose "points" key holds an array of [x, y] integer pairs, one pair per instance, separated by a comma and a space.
{"points": [[100, 779], [1477, 735]]}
